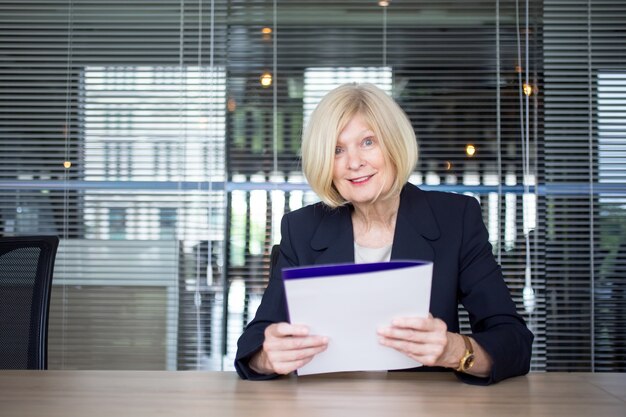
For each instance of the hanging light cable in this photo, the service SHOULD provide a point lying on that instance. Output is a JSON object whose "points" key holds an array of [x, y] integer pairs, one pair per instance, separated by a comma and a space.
{"points": [[67, 163], [197, 298], [275, 88], [528, 291], [384, 7], [210, 117], [212, 123], [499, 123]]}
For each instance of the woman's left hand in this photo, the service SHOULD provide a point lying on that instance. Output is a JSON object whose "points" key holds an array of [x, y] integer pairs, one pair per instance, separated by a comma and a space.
{"points": [[426, 340]]}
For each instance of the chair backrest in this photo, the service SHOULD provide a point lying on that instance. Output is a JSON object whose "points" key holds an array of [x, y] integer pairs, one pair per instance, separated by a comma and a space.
{"points": [[26, 265]]}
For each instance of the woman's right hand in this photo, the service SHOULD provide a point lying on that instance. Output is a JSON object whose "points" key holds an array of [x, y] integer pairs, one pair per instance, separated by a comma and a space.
{"points": [[286, 348]]}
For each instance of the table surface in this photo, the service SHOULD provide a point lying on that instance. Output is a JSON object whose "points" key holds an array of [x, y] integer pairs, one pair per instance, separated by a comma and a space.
{"points": [[188, 393]]}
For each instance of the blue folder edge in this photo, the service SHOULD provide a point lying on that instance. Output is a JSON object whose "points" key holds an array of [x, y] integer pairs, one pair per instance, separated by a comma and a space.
{"points": [[345, 269]]}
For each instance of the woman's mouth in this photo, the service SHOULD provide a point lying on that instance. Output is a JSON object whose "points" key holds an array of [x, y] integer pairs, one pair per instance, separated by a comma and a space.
{"points": [[360, 180]]}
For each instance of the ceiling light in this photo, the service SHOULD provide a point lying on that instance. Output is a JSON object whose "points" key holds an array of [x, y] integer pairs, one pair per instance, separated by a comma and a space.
{"points": [[266, 79], [528, 89]]}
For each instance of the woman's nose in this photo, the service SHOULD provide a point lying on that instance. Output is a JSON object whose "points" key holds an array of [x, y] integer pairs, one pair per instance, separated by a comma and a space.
{"points": [[355, 161]]}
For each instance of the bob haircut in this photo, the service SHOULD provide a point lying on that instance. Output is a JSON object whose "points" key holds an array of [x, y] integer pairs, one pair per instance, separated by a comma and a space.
{"points": [[383, 116]]}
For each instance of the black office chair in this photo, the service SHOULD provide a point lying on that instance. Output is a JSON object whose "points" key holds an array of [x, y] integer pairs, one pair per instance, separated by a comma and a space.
{"points": [[26, 265]]}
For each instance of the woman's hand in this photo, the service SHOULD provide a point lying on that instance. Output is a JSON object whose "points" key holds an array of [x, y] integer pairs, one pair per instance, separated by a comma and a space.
{"points": [[286, 348], [426, 340]]}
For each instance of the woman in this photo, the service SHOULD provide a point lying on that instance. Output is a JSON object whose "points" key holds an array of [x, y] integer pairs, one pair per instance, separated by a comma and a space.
{"points": [[358, 151]]}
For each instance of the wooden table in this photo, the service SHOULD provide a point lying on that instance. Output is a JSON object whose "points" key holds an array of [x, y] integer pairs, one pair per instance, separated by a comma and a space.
{"points": [[186, 393]]}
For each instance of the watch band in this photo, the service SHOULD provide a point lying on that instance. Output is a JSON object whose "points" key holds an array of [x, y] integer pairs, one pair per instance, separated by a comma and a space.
{"points": [[467, 361], [468, 344]]}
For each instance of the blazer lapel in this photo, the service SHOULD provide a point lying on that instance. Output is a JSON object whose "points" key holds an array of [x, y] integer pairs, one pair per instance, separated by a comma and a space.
{"points": [[334, 238], [416, 227]]}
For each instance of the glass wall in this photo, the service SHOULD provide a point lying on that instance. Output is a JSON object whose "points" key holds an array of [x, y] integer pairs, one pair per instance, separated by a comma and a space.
{"points": [[160, 141]]}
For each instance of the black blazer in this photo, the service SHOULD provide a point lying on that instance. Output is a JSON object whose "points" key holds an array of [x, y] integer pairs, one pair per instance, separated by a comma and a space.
{"points": [[441, 227]]}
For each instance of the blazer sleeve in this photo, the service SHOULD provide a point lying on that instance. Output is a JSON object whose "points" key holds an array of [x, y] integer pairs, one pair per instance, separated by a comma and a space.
{"points": [[496, 325], [273, 309]]}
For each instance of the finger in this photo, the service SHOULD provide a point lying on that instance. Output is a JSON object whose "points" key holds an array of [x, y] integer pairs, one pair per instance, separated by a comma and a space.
{"points": [[414, 336], [406, 346], [420, 323], [286, 362], [283, 356], [286, 329], [424, 353], [285, 368], [416, 323], [293, 343]]}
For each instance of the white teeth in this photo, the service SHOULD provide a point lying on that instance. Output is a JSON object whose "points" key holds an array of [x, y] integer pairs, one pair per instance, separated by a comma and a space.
{"points": [[360, 179]]}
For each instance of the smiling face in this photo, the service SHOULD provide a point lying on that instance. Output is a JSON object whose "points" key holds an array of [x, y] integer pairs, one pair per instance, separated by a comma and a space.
{"points": [[386, 161], [360, 171]]}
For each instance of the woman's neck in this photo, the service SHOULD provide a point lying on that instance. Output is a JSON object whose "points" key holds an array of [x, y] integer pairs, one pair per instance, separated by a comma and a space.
{"points": [[374, 224]]}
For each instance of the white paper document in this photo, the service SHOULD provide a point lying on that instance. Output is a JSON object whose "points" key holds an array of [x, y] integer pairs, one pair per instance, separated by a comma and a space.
{"points": [[348, 303]]}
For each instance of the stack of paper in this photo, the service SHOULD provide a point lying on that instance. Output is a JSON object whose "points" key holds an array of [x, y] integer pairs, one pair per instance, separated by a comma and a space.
{"points": [[348, 303]]}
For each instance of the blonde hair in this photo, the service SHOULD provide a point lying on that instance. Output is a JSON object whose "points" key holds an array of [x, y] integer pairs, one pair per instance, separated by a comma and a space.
{"points": [[381, 113]]}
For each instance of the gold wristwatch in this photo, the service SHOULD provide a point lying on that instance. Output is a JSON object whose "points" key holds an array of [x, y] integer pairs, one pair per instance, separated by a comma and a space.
{"points": [[467, 361]]}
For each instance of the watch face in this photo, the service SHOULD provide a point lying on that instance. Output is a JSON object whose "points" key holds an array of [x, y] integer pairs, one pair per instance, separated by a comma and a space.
{"points": [[469, 362]]}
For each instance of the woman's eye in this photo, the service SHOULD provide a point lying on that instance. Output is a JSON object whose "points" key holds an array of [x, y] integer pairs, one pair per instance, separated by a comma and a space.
{"points": [[368, 142], [337, 150]]}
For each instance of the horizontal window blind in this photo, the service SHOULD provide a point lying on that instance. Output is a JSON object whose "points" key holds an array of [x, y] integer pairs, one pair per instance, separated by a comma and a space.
{"points": [[113, 121], [455, 69], [161, 141], [585, 139]]}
